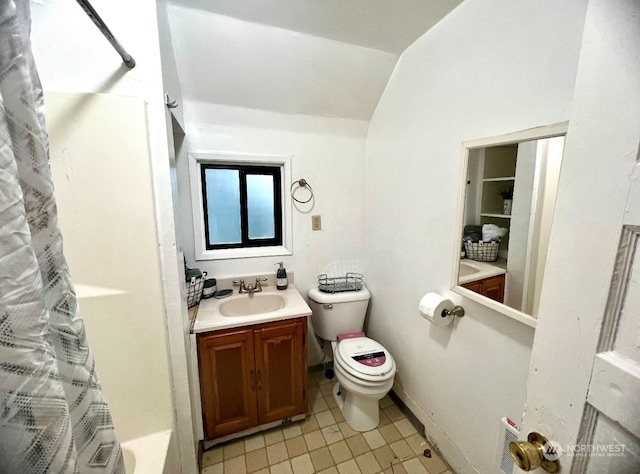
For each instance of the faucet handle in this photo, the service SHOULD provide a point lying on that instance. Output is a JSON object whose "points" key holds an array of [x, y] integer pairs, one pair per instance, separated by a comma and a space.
{"points": [[259, 283], [242, 289]]}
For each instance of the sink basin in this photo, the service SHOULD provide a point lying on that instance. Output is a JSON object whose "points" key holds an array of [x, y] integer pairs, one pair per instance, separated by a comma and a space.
{"points": [[252, 304], [472, 270], [467, 269], [247, 309]]}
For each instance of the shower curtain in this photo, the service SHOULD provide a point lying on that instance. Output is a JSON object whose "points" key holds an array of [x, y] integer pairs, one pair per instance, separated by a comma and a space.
{"points": [[53, 417]]}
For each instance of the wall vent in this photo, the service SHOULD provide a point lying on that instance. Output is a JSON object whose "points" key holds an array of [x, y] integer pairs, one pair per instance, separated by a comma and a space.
{"points": [[510, 433]]}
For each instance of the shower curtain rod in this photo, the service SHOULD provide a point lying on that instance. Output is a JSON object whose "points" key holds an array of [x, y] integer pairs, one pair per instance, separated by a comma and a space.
{"points": [[90, 11]]}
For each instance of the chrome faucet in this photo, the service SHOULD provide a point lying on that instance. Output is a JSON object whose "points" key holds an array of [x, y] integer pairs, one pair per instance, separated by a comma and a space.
{"points": [[249, 288]]}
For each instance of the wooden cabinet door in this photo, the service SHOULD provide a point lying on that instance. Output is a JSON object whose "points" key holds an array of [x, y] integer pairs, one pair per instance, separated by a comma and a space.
{"points": [[281, 369], [494, 288], [475, 286], [227, 381]]}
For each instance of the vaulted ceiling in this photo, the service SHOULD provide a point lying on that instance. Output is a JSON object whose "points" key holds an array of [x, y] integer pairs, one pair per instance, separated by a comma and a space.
{"points": [[314, 57]]}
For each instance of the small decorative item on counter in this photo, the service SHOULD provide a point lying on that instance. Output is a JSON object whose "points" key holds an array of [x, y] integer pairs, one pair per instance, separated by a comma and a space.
{"points": [[223, 293], [209, 288], [281, 277]]}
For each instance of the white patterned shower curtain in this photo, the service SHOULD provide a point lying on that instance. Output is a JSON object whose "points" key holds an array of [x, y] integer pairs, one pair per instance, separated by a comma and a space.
{"points": [[53, 417]]}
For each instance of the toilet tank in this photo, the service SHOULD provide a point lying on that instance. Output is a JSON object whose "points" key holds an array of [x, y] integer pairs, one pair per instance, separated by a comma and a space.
{"points": [[337, 313]]}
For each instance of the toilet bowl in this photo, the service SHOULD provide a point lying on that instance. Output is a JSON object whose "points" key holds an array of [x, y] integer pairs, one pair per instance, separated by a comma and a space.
{"points": [[365, 372], [364, 368]]}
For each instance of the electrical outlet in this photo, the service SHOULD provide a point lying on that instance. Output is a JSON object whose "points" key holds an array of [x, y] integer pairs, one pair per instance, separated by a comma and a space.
{"points": [[316, 223]]}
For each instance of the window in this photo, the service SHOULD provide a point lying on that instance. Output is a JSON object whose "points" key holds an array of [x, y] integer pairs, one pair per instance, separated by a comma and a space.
{"points": [[241, 205], [238, 205]]}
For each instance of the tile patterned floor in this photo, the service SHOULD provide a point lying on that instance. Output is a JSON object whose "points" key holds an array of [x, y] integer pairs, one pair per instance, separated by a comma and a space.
{"points": [[324, 443]]}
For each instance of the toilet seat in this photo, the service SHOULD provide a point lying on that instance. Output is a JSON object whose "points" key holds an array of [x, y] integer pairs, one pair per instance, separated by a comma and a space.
{"points": [[365, 359]]}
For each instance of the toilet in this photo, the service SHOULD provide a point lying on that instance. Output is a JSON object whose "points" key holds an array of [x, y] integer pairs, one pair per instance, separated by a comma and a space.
{"points": [[363, 367]]}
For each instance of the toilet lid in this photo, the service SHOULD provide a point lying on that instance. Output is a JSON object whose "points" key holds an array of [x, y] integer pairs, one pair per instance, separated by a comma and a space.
{"points": [[365, 356]]}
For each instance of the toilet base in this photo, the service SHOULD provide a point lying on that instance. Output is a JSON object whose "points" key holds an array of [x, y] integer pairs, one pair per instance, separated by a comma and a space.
{"points": [[360, 413]]}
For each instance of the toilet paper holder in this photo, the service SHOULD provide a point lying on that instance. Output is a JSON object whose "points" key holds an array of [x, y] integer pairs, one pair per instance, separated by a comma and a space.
{"points": [[456, 311], [439, 310]]}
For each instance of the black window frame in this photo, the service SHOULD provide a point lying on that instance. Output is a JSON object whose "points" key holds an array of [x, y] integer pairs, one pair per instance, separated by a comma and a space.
{"points": [[243, 171]]}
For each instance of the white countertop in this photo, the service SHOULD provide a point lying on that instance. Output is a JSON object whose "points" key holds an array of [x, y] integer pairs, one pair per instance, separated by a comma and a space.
{"points": [[472, 270], [209, 318]]}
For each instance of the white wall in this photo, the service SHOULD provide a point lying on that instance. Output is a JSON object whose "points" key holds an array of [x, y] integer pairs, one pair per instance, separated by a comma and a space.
{"points": [[170, 77], [377, 24], [597, 195], [327, 152], [227, 61], [483, 71], [73, 56]]}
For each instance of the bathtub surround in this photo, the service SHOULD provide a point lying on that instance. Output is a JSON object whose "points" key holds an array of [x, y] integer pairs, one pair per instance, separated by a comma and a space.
{"points": [[54, 417], [120, 302], [76, 58], [148, 454]]}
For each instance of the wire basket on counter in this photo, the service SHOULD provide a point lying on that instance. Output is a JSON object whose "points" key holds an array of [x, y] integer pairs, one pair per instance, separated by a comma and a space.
{"points": [[482, 251], [350, 282], [194, 289]]}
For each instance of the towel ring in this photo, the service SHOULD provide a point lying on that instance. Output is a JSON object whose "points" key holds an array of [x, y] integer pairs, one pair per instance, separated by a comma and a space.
{"points": [[303, 184]]}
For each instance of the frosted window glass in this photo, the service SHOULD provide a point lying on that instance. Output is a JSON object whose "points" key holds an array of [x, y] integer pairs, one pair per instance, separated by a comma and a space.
{"points": [[260, 206], [223, 206]]}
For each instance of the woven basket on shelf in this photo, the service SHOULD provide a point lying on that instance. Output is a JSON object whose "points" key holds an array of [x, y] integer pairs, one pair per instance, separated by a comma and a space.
{"points": [[194, 289], [482, 251]]}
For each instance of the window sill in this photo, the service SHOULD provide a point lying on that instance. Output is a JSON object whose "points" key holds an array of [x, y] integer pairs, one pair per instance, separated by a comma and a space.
{"points": [[228, 254]]}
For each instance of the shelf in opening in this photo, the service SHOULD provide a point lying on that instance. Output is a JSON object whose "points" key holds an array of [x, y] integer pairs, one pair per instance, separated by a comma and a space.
{"points": [[506, 178]]}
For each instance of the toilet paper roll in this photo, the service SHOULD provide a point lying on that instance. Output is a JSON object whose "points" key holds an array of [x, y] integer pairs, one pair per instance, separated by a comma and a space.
{"points": [[434, 308]]}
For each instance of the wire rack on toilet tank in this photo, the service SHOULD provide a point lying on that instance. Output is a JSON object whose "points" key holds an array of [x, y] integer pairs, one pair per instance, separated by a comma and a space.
{"points": [[350, 282]]}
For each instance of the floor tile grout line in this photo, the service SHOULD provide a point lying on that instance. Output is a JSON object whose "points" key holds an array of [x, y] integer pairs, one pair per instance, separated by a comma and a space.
{"points": [[389, 409]]}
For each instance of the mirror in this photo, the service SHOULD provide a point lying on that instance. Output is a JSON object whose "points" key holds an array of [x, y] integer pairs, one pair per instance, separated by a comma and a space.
{"points": [[508, 201]]}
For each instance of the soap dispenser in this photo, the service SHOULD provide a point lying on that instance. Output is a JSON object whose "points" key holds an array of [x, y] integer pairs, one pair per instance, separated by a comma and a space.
{"points": [[281, 277]]}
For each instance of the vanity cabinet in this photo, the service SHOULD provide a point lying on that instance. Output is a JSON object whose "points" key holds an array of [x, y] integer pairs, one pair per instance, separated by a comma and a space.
{"points": [[252, 375], [492, 287]]}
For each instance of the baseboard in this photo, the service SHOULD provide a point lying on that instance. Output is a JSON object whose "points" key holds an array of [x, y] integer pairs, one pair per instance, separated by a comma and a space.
{"points": [[423, 424], [413, 419], [438, 439]]}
